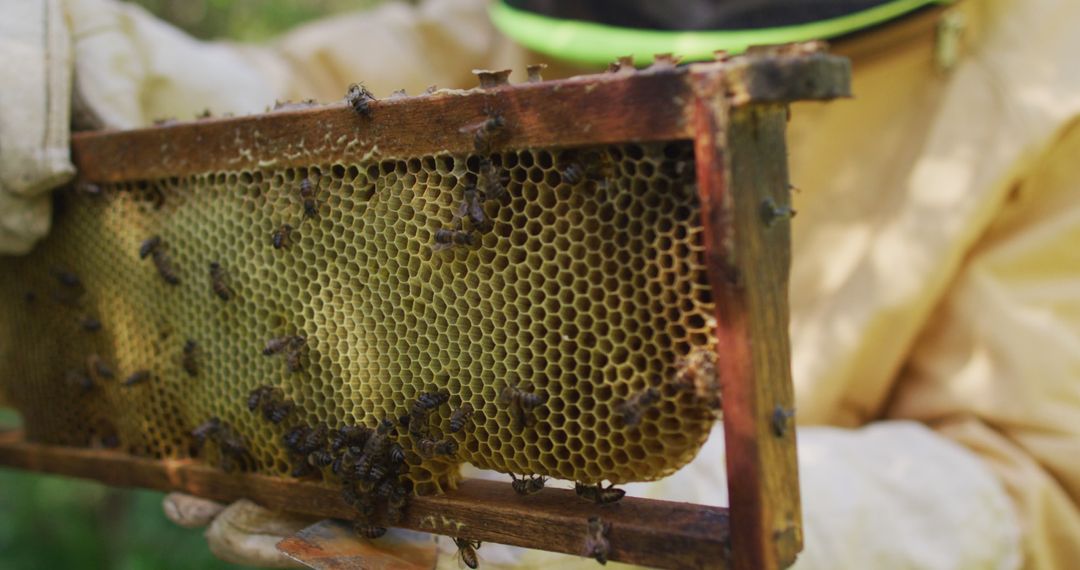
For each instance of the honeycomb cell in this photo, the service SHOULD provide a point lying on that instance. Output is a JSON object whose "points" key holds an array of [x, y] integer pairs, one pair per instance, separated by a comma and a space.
{"points": [[589, 287]]}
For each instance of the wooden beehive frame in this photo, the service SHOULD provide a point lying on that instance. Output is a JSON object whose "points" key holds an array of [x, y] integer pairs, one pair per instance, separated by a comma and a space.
{"points": [[735, 111]]}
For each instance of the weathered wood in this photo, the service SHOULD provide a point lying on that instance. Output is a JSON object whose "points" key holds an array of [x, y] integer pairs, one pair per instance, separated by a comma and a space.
{"points": [[588, 110], [649, 105], [653, 533], [743, 188]]}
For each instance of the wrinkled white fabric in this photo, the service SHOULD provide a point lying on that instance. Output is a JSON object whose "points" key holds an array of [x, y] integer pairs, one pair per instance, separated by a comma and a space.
{"points": [[132, 69], [893, 495], [245, 533], [35, 71]]}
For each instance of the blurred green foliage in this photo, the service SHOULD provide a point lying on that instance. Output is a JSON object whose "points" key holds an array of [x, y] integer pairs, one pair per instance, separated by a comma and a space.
{"points": [[246, 20], [52, 522]]}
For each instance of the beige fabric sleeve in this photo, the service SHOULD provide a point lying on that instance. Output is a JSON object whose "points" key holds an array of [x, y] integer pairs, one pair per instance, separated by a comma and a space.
{"points": [[935, 274], [998, 368], [402, 46], [35, 69]]}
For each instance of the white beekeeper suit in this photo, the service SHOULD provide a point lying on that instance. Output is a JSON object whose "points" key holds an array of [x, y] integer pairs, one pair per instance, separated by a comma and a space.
{"points": [[935, 292]]}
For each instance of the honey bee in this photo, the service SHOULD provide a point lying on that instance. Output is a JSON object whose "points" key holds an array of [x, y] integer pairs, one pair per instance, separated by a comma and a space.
{"points": [[206, 430], [67, 278], [396, 455], [137, 377], [527, 485], [378, 472], [314, 439], [460, 417], [492, 179], [445, 238], [293, 358], [282, 236], [377, 444], [596, 542], [573, 173], [190, 358], [219, 281], [148, 246], [307, 194], [89, 188], [634, 407], [234, 451], [79, 381], [294, 437], [599, 494], [349, 436], [281, 343], [432, 400], [385, 488], [90, 324], [521, 403], [320, 458], [164, 267], [359, 98], [473, 208], [781, 419], [276, 412], [369, 531], [98, 368], [430, 448], [255, 397], [422, 407], [467, 552], [486, 132], [591, 166]]}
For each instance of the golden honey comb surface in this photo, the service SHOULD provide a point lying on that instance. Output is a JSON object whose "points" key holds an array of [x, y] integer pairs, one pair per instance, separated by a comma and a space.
{"points": [[587, 293]]}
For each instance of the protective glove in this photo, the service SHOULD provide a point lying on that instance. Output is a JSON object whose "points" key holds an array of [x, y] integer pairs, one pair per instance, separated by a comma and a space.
{"points": [[35, 70], [242, 533]]}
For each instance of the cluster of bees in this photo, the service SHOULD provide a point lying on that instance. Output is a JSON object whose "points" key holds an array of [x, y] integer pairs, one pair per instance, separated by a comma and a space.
{"points": [[231, 445], [370, 463]]}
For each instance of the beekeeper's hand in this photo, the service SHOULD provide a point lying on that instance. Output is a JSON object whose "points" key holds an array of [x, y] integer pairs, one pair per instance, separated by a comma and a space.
{"points": [[242, 533], [35, 71]]}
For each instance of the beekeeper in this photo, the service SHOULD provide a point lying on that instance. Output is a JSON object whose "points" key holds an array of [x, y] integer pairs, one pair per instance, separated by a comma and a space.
{"points": [[935, 292]]}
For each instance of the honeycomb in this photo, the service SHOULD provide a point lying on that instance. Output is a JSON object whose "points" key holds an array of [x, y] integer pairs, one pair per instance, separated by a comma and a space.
{"points": [[587, 290]]}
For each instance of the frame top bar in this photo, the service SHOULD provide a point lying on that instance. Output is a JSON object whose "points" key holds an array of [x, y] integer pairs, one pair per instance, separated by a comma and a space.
{"points": [[653, 104]]}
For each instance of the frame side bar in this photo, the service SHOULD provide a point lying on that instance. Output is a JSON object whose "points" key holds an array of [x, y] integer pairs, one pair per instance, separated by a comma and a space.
{"points": [[741, 162], [691, 536]]}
